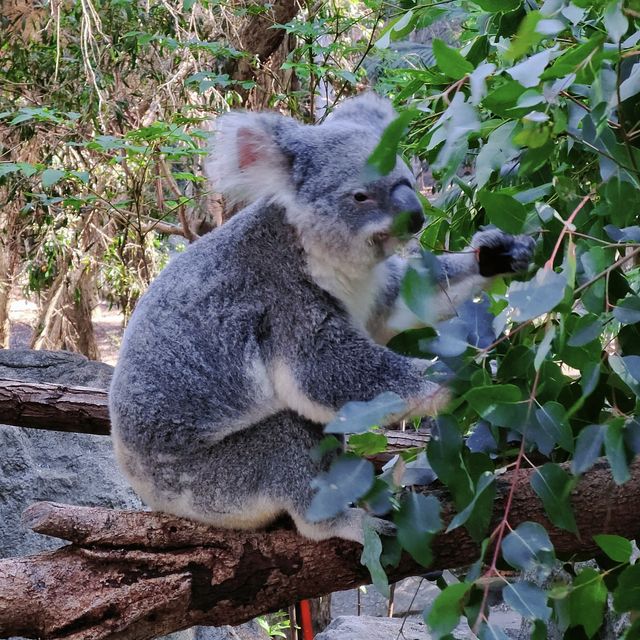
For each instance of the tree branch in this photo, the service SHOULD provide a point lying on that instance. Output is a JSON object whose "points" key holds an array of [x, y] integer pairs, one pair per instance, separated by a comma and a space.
{"points": [[139, 574], [55, 407]]}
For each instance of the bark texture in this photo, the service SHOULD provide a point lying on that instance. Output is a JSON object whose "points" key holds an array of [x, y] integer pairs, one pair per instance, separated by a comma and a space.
{"points": [[259, 37], [140, 574], [56, 407], [84, 410]]}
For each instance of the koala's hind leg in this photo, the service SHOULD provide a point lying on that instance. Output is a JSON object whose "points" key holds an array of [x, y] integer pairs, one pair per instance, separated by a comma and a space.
{"points": [[294, 473], [249, 478], [348, 525]]}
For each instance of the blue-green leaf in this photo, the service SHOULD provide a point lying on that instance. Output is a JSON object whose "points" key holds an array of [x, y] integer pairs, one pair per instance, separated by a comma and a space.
{"points": [[552, 419], [588, 448], [528, 546], [615, 450], [628, 368], [358, 417], [484, 484], [418, 519], [50, 177], [348, 479], [445, 612], [371, 559], [628, 310], [529, 600], [531, 299], [553, 486]]}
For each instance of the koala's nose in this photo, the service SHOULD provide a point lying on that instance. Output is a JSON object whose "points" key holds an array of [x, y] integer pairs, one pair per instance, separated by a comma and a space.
{"points": [[404, 200]]}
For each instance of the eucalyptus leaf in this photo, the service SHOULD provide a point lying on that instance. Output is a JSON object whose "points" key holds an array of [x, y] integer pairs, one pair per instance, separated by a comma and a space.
{"points": [[348, 479], [445, 612], [626, 596], [553, 486], [615, 22], [552, 418], [528, 546], [529, 600], [503, 210], [357, 417], [371, 559], [628, 368], [540, 295], [619, 549], [50, 177], [528, 72], [587, 601], [498, 150], [449, 60], [485, 488], [588, 448], [628, 310], [418, 520], [614, 449]]}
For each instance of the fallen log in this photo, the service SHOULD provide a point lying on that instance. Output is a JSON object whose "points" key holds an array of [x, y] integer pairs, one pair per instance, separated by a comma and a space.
{"points": [[137, 575]]}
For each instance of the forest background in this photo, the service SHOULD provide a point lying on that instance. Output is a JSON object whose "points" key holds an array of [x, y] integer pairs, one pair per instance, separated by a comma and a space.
{"points": [[519, 114]]}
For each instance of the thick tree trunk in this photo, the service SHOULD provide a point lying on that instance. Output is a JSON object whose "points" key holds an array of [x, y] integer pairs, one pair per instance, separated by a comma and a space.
{"points": [[139, 575], [259, 37]]}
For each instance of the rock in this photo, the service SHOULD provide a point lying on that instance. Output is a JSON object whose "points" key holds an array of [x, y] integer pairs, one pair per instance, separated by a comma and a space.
{"points": [[50, 465], [248, 631], [411, 597], [54, 367], [371, 628], [67, 467]]}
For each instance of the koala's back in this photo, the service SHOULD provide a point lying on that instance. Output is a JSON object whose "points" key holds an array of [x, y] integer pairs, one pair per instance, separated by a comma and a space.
{"points": [[192, 363]]}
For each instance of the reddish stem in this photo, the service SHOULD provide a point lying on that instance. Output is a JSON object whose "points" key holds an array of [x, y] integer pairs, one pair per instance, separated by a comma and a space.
{"points": [[565, 229]]}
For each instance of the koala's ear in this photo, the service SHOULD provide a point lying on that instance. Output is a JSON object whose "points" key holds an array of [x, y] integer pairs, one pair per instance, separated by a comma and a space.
{"points": [[366, 109], [247, 157]]}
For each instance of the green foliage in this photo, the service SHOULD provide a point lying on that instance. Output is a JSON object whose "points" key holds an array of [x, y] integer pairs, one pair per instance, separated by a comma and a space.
{"points": [[528, 120], [275, 625], [418, 519]]}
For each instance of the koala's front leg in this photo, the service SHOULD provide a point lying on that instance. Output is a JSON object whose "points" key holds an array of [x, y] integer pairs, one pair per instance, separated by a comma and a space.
{"points": [[335, 364], [491, 253], [462, 275]]}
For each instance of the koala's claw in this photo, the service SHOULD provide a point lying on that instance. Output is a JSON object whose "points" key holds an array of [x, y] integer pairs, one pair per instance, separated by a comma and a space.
{"points": [[502, 253]]}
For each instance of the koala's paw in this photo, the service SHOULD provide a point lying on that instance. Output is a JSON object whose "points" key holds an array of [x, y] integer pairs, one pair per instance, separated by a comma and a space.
{"points": [[432, 400], [382, 527], [501, 253]]}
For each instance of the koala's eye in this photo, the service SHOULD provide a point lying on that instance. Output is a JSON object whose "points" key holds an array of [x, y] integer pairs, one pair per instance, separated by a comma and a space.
{"points": [[360, 196]]}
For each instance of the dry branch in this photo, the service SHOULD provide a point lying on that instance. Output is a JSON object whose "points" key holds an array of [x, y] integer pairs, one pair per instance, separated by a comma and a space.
{"points": [[55, 407], [83, 410], [140, 575]]}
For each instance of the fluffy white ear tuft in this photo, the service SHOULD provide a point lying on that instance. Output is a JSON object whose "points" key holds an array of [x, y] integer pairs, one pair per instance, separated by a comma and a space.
{"points": [[365, 109], [246, 160]]}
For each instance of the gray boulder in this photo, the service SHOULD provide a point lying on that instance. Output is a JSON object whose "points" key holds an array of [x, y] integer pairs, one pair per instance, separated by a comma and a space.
{"points": [[66, 467], [371, 628], [54, 367]]}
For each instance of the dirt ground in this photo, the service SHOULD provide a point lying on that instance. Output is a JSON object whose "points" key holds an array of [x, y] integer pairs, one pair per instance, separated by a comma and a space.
{"points": [[107, 325]]}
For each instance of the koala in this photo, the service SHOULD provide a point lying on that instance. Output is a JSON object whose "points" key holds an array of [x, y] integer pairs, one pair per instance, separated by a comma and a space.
{"points": [[250, 341]]}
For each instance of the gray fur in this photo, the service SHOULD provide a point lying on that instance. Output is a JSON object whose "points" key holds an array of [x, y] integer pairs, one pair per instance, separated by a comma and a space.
{"points": [[254, 337]]}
